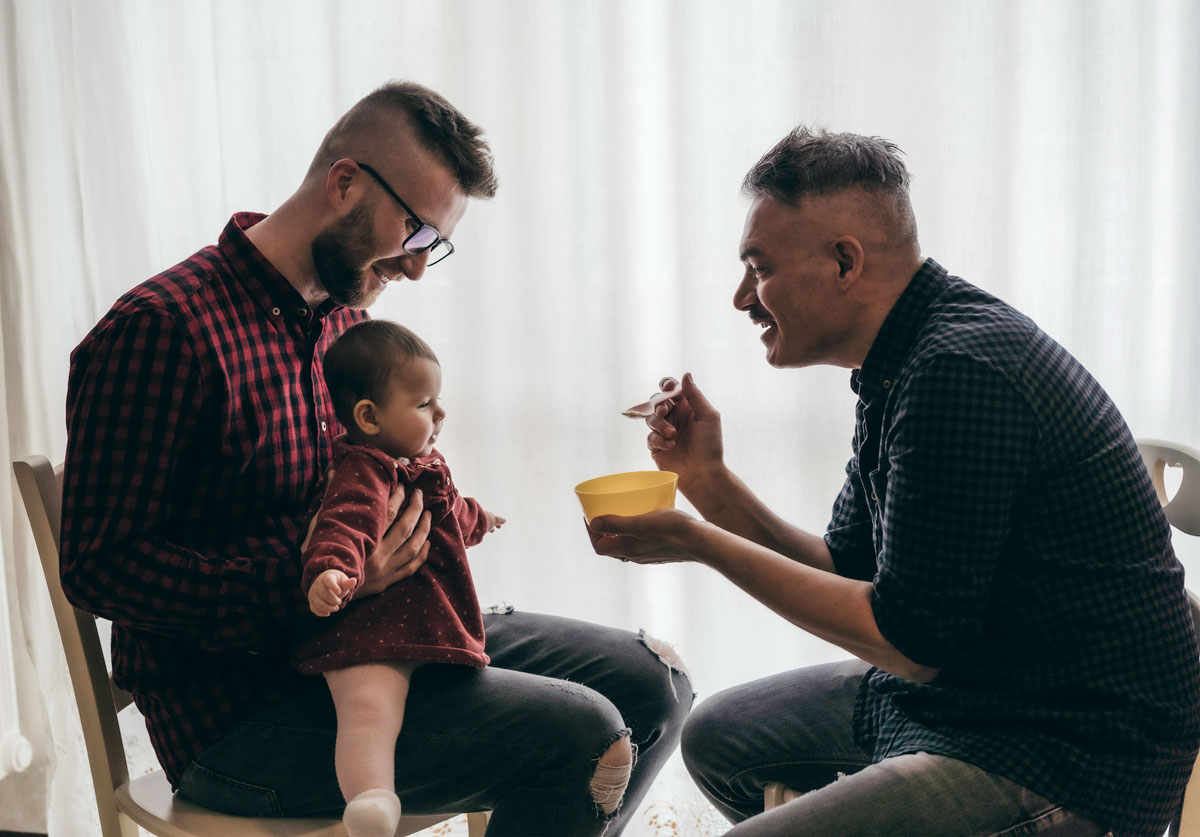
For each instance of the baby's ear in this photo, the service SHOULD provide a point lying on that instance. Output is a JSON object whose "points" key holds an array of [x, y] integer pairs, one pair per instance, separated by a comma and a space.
{"points": [[365, 417]]}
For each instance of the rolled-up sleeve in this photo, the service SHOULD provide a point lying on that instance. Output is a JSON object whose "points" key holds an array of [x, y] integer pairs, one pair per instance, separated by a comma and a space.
{"points": [[848, 535], [959, 449]]}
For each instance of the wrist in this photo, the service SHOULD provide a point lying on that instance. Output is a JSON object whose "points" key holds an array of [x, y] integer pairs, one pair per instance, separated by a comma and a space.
{"points": [[702, 484]]}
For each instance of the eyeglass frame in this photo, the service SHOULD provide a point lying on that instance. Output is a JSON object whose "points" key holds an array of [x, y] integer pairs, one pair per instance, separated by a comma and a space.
{"points": [[420, 224]]}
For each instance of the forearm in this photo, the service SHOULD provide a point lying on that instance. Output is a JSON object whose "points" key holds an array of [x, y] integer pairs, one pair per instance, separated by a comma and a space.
{"points": [[725, 501], [823, 603]]}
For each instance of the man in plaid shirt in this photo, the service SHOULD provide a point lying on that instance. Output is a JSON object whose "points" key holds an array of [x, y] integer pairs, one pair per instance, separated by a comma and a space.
{"points": [[997, 560], [199, 431]]}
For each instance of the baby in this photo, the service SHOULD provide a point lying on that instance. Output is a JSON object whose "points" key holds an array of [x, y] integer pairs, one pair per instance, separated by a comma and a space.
{"points": [[385, 381]]}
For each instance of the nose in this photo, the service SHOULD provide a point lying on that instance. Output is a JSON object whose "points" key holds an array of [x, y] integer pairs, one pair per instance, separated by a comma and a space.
{"points": [[414, 266], [745, 296], [439, 415]]}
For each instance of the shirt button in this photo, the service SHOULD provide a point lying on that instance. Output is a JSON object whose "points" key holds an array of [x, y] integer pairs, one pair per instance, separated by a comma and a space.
{"points": [[275, 311], [887, 384], [324, 426], [874, 498]]}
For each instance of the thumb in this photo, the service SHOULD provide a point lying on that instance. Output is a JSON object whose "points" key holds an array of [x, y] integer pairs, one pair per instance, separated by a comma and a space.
{"points": [[395, 500], [696, 400], [609, 524]]}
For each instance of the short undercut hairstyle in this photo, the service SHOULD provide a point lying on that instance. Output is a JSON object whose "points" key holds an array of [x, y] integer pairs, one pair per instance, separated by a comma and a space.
{"points": [[809, 162], [362, 361], [440, 128]]}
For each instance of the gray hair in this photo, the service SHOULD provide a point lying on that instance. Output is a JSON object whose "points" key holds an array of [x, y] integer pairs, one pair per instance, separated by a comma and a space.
{"points": [[810, 162]]}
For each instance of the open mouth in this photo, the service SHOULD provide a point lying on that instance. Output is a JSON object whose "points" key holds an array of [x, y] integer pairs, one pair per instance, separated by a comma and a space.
{"points": [[767, 324]]}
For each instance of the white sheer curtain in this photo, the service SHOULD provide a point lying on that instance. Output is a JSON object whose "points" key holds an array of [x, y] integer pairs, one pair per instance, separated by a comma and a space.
{"points": [[1053, 147]]}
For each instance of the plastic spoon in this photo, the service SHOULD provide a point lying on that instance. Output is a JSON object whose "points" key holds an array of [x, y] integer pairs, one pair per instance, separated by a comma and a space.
{"points": [[670, 390]]}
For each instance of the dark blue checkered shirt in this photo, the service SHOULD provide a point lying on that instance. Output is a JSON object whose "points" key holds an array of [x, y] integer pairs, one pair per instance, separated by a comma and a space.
{"points": [[997, 500]]}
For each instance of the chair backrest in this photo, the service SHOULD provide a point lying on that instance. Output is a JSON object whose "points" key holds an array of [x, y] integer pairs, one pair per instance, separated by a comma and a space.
{"points": [[1183, 512], [98, 699]]}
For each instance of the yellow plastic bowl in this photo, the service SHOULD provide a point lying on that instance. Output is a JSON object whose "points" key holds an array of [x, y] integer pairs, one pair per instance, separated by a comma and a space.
{"points": [[627, 494]]}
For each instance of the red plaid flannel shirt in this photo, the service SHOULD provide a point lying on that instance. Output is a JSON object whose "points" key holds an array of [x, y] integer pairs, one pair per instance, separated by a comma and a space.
{"points": [[199, 428]]}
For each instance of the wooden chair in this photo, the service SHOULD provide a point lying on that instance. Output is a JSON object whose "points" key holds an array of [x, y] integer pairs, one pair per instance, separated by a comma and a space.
{"points": [[1183, 513], [146, 801]]}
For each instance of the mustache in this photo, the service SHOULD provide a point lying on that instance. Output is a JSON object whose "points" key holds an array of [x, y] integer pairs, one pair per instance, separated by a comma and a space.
{"points": [[757, 313]]}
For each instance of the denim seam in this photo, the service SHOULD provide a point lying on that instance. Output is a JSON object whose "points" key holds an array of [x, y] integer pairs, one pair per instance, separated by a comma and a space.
{"points": [[793, 763], [826, 762], [268, 793], [1054, 809]]}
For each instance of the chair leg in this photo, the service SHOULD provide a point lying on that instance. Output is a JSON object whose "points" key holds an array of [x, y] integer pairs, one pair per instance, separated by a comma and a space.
{"points": [[776, 794], [476, 824]]}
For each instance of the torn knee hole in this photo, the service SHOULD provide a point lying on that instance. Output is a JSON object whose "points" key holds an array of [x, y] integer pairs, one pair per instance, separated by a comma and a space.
{"points": [[612, 775]]}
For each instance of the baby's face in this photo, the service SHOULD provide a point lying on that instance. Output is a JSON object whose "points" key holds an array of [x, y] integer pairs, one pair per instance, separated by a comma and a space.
{"points": [[410, 418]]}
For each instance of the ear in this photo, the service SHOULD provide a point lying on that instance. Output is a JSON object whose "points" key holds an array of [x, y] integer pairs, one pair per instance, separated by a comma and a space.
{"points": [[366, 417], [341, 182], [848, 253]]}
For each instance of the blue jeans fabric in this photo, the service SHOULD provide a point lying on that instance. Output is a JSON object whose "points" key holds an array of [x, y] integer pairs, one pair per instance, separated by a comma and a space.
{"points": [[795, 728], [520, 737]]}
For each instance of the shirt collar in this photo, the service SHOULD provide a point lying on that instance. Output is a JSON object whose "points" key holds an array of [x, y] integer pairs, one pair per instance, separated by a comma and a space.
{"points": [[269, 288], [899, 331]]}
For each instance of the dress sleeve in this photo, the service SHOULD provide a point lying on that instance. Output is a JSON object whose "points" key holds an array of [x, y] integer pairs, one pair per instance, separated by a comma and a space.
{"points": [[472, 519], [960, 450], [351, 520], [135, 397]]}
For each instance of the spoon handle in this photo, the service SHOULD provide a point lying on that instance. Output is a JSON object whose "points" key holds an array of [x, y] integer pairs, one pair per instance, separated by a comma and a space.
{"points": [[669, 390]]}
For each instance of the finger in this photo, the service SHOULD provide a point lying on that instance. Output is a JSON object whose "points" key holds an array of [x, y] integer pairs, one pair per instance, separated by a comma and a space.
{"points": [[415, 564], [657, 444], [402, 527], [420, 535], [395, 500], [695, 398], [663, 426]]}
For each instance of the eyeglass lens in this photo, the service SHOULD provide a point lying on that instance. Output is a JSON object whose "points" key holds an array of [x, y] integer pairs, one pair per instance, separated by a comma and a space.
{"points": [[424, 238]]}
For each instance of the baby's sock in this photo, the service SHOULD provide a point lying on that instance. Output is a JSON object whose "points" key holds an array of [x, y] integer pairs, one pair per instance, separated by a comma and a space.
{"points": [[373, 813]]}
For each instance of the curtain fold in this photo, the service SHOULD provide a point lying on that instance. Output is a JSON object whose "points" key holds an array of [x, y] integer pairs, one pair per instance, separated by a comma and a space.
{"points": [[1053, 151]]}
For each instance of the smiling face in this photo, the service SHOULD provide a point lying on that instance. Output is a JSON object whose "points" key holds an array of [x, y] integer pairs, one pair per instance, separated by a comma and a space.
{"points": [[790, 286], [360, 251], [406, 422]]}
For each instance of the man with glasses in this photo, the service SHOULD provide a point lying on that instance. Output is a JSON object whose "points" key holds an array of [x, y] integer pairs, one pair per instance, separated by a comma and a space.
{"points": [[199, 431]]}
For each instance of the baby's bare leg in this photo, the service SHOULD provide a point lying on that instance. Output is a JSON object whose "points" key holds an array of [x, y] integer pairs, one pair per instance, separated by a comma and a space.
{"points": [[369, 700]]}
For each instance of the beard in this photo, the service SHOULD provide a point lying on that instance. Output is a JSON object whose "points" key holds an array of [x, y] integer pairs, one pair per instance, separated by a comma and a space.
{"points": [[342, 254]]}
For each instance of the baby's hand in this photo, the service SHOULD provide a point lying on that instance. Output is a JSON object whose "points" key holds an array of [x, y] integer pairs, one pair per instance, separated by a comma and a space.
{"points": [[494, 521], [328, 591]]}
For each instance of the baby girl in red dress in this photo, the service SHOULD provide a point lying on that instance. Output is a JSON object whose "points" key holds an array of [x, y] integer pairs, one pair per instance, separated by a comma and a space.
{"points": [[385, 381]]}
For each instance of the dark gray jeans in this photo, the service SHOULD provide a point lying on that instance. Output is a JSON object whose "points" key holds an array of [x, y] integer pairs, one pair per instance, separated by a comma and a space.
{"points": [[520, 737], [795, 728]]}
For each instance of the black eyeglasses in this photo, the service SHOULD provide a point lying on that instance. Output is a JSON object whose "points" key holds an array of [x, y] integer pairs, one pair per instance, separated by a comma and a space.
{"points": [[425, 238]]}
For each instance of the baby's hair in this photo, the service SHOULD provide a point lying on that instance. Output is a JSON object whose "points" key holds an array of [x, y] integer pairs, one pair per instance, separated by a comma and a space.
{"points": [[361, 362]]}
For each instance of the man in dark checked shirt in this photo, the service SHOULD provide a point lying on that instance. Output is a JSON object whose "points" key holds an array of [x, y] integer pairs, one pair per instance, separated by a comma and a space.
{"points": [[997, 559], [199, 429]]}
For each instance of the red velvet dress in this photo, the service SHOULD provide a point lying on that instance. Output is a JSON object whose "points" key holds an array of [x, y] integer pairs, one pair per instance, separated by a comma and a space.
{"points": [[433, 615]]}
